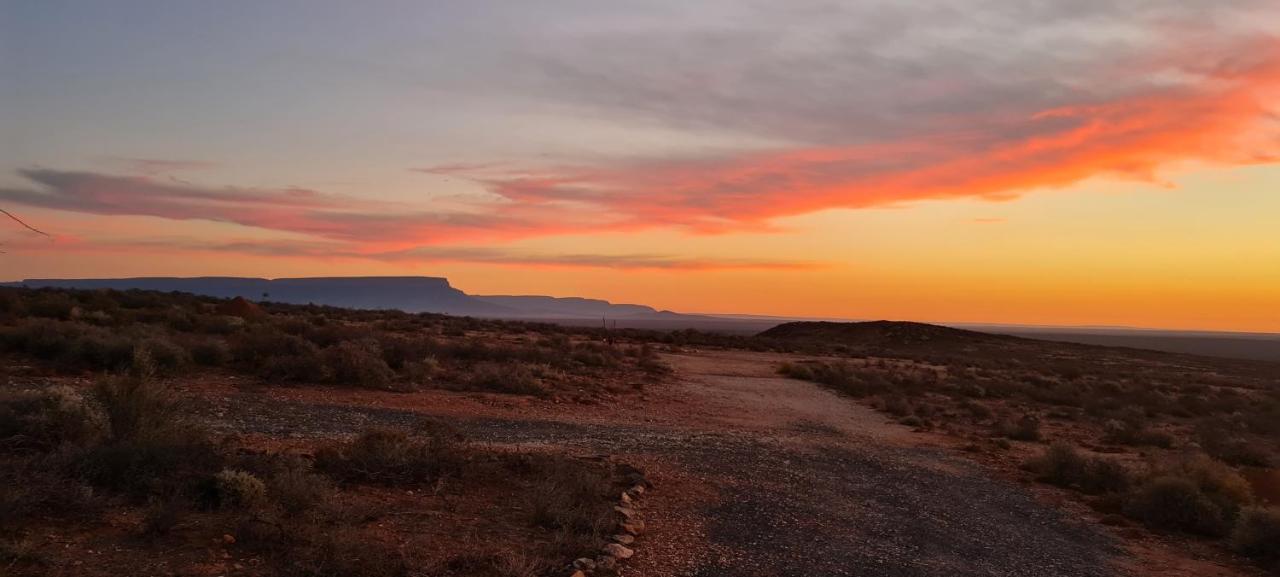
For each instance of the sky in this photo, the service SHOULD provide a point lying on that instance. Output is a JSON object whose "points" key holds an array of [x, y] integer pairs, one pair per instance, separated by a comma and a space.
{"points": [[1081, 162]]}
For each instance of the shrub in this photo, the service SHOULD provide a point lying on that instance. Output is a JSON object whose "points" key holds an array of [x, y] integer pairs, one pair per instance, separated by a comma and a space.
{"points": [[1257, 534], [1026, 429], [151, 448], [210, 352], [159, 465], [570, 496], [38, 486], [388, 457], [508, 377], [1062, 465], [276, 356], [1175, 503], [239, 489], [296, 489], [45, 420], [137, 406], [358, 363], [165, 356], [162, 515], [1197, 495]]}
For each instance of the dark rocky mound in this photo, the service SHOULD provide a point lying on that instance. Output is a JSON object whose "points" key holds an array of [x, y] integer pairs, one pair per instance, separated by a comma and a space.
{"points": [[885, 334]]}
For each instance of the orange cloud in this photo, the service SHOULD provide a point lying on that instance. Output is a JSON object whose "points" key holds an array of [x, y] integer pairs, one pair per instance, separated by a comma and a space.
{"points": [[1221, 113], [1229, 115]]}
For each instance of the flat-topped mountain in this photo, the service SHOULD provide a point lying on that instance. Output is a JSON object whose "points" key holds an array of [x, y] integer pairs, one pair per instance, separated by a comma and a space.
{"points": [[413, 294], [408, 293]]}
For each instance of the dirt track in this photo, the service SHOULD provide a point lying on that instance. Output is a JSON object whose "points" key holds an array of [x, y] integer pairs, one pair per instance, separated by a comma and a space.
{"points": [[756, 475]]}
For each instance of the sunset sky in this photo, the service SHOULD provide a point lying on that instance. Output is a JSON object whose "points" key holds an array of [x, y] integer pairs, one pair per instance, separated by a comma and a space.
{"points": [[1075, 162]]}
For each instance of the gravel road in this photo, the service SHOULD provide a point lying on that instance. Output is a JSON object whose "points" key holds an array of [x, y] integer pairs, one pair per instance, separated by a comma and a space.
{"points": [[798, 481]]}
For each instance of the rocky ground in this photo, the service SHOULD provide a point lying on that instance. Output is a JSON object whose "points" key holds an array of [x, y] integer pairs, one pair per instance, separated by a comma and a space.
{"points": [[755, 475]]}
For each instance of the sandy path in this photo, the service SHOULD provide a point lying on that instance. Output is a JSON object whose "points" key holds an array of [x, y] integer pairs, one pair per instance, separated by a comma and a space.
{"points": [[757, 475]]}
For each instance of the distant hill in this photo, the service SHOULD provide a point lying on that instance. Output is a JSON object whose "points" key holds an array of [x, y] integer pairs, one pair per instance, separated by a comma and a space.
{"points": [[570, 307], [435, 295], [885, 333], [413, 294]]}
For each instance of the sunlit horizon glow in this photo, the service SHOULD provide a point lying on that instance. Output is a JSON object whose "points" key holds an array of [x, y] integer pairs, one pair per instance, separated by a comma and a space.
{"points": [[1111, 164]]}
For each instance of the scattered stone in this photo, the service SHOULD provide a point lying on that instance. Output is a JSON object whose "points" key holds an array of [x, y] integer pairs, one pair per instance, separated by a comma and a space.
{"points": [[578, 573], [624, 539], [633, 527], [618, 551], [636, 490], [627, 512], [228, 539], [625, 500], [606, 562], [584, 564]]}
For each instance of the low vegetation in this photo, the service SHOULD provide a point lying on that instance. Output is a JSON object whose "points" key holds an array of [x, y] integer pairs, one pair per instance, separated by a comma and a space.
{"points": [[1160, 439], [128, 446], [77, 331]]}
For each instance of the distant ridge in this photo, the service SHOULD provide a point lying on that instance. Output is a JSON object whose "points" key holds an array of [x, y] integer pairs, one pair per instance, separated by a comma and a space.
{"points": [[545, 306], [881, 333], [413, 294], [436, 295]]}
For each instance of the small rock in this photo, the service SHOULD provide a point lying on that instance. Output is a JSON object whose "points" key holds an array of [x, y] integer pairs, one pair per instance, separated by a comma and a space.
{"points": [[637, 489], [584, 564], [634, 527], [618, 551], [625, 500], [578, 573], [228, 539], [606, 562], [627, 512], [624, 539]]}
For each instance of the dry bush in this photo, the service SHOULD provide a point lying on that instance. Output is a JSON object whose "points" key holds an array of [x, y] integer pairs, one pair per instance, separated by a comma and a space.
{"points": [[571, 497], [293, 487], [505, 377], [42, 421], [1196, 495], [39, 485], [1062, 465], [151, 446], [239, 489], [1026, 428], [209, 352], [389, 457], [358, 363], [1257, 535], [278, 356]]}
